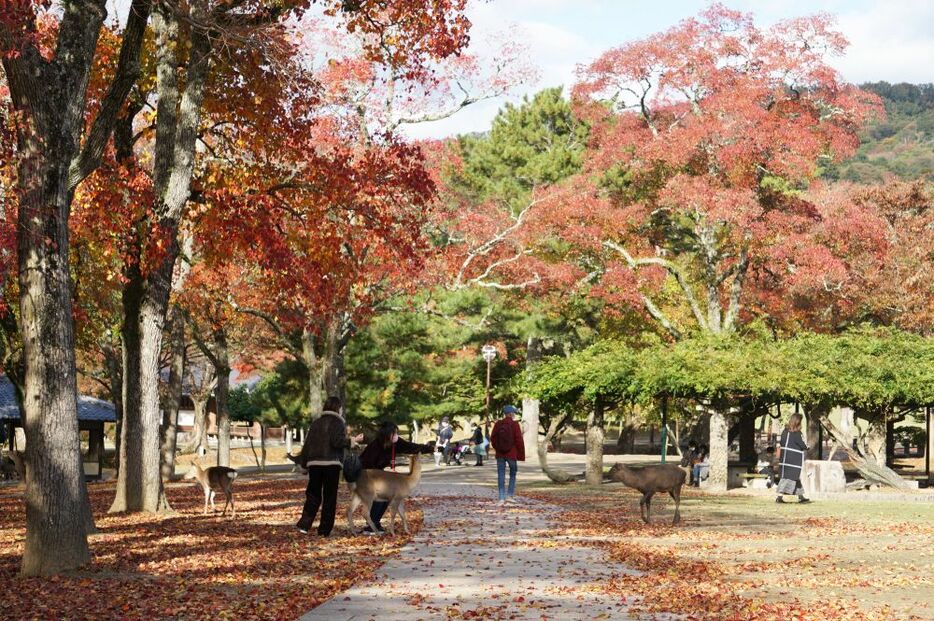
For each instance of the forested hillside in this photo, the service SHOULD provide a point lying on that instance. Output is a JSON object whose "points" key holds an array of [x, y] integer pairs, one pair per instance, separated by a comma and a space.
{"points": [[902, 145]]}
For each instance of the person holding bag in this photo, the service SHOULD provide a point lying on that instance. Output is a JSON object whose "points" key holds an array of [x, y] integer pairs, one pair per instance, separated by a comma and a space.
{"points": [[793, 449], [323, 456]]}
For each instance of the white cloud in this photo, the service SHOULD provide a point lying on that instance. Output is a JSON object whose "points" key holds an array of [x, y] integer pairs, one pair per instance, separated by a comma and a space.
{"points": [[889, 40]]}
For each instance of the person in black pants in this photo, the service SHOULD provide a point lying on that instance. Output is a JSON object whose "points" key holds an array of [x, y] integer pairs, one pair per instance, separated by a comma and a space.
{"points": [[384, 452], [322, 454]]}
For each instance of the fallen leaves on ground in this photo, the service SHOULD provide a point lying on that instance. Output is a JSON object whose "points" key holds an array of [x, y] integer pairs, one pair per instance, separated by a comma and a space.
{"points": [[194, 566], [779, 566]]}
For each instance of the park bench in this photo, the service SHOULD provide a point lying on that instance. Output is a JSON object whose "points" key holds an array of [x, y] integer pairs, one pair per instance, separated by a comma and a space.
{"points": [[754, 480]]}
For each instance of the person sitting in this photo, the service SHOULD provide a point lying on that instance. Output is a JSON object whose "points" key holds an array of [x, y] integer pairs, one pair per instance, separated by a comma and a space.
{"points": [[382, 453], [766, 465]]}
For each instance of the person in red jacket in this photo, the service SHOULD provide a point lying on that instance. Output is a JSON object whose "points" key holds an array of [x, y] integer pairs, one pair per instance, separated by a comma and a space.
{"points": [[507, 441]]}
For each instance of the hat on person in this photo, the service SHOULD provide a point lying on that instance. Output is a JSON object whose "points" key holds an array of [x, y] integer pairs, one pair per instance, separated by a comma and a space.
{"points": [[510, 409], [445, 419]]}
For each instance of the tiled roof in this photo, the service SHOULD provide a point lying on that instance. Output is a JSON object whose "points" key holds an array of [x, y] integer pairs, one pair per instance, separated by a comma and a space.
{"points": [[89, 408]]}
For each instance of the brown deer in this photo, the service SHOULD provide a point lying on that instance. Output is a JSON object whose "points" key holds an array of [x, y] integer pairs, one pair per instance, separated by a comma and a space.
{"points": [[393, 487], [214, 479], [649, 480]]}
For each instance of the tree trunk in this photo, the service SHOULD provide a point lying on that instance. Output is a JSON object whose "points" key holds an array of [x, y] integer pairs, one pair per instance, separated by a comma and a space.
{"points": [[334, 377], [139, 484], [113, 364], [315, 380], [874, 444], [287, 431], [415, 431], [554, 427], [49, 98], [870, 469], [719, 452], [747, 439], [530, 406], [262, 446], [595, 436], [198, 438], [813, 435], [220, 395], [173, 398], [626, 442]]}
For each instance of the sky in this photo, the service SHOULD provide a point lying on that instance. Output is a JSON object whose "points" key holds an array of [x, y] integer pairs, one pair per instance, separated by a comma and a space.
{"points": [[891, 40]]}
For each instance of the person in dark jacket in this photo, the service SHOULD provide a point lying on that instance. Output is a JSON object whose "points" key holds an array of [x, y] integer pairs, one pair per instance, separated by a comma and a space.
{"points": [[479, 445], [323, 454], [445, 436], [793, 449], [383, 453], [510, 448]]}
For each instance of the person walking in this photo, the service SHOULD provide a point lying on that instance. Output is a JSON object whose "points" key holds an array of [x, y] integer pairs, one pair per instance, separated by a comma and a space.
{"points": [[443, 443], [382, 453], [506, 438], [322, 454], [479, 445], [793, 449]]}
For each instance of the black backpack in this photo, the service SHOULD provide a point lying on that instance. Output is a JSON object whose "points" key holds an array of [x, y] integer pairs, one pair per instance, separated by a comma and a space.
{"points": [[352, 467]]}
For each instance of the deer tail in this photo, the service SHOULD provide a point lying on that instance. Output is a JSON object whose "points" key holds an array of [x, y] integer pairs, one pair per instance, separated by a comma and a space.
{"points": [[233, 475]]}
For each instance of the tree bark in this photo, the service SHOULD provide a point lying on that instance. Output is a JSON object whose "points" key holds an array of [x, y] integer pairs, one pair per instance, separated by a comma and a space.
{"points": [[178, 115], [173, 398], [50, 99], [595, 437], [315, 381], [198, 438], [139, 484], [870, 469], [719, 451], [813, 435], [530, 406], [335, 380], [220, 396], [747, 439], [554, 427]]}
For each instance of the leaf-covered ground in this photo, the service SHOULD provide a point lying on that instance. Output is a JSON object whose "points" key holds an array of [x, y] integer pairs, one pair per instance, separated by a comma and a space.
{"points": [[746, 558], [191, 566]]}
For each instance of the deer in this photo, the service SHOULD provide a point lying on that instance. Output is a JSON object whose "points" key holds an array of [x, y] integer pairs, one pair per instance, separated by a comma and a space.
{"points": [[214, 479], [649, 480], [393, 487]]}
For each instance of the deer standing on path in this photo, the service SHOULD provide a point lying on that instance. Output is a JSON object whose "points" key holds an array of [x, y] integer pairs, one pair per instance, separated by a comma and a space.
{"points": [[650, 479], [214, 479]]}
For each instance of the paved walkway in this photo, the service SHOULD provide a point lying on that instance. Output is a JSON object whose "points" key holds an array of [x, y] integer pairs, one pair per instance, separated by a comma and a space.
{"points": [[474, 560]]}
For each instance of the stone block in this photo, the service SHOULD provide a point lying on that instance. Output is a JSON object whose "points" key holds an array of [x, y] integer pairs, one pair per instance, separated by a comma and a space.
{"points": [[823, 477]]}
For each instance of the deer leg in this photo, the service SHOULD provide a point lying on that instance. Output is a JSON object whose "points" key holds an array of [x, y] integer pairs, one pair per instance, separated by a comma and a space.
{"points": [[351, 507], [405, 521], [213, 506], [228, 500], [207, 500], [676, 496], [368, 508], [648, 507], [393, 510]]}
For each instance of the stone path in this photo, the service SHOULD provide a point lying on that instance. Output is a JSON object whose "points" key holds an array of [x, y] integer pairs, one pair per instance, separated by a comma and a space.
{"points": [[474, 560]]}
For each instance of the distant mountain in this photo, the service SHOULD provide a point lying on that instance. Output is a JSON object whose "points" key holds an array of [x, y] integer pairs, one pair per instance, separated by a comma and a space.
{"points": [[902, 145]]}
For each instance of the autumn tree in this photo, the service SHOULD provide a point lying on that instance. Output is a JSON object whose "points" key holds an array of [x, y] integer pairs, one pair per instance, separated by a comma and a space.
{"points": [[704, 140], [47, 81]]}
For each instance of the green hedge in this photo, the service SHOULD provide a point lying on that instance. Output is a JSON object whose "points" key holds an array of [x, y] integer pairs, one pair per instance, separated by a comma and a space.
{"points": [[864, 368]]}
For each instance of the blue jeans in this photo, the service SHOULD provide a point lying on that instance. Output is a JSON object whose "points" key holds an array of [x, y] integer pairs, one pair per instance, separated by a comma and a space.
{"points": [[501, 476]]}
